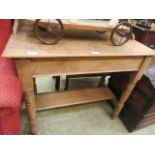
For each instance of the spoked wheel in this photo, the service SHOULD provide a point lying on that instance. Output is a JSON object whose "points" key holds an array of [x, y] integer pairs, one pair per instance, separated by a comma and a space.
{"points": [[121, 34], [49, 31]]}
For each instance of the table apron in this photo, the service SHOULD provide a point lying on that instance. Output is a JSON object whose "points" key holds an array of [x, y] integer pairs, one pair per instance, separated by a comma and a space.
{"points": [[69, 66]]}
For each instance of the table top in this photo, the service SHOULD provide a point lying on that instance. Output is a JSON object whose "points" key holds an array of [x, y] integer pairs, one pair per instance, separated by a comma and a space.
{"points": [[79, 44]]}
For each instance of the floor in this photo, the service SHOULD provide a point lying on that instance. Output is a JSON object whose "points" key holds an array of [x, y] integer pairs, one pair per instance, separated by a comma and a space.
{"points": [[87, 119]]}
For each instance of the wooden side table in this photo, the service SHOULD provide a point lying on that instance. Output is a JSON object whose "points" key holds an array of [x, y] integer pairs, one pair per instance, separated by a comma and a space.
{"points": [[73, 56]]}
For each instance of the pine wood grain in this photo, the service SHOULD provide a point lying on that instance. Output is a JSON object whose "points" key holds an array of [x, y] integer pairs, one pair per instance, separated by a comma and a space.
{"points": [[70, 66], [73, 56], [25, 45], [72, 97]]}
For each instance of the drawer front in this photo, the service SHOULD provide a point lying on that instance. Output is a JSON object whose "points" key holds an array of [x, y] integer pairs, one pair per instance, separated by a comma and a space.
{"points": [[70, 66]]}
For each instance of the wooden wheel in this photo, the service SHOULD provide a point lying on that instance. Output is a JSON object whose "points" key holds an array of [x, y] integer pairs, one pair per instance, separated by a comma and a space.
{"points": [[121, 34], [49, 31]]}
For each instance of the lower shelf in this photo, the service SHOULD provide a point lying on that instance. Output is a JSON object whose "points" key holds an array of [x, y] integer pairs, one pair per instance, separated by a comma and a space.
{"points": [[72, 97]]}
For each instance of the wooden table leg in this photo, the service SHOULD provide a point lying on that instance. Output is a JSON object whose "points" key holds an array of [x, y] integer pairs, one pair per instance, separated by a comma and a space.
{"points": [[25, 74], [31, 111], [131, 86]]}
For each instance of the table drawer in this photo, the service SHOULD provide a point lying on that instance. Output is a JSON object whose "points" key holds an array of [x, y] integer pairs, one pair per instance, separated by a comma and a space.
{"points": [[69, 66]]}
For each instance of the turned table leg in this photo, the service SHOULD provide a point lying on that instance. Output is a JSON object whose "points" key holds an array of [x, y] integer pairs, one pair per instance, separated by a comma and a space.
{"points": [[31, 111], [131, 86], [25, 74]]}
